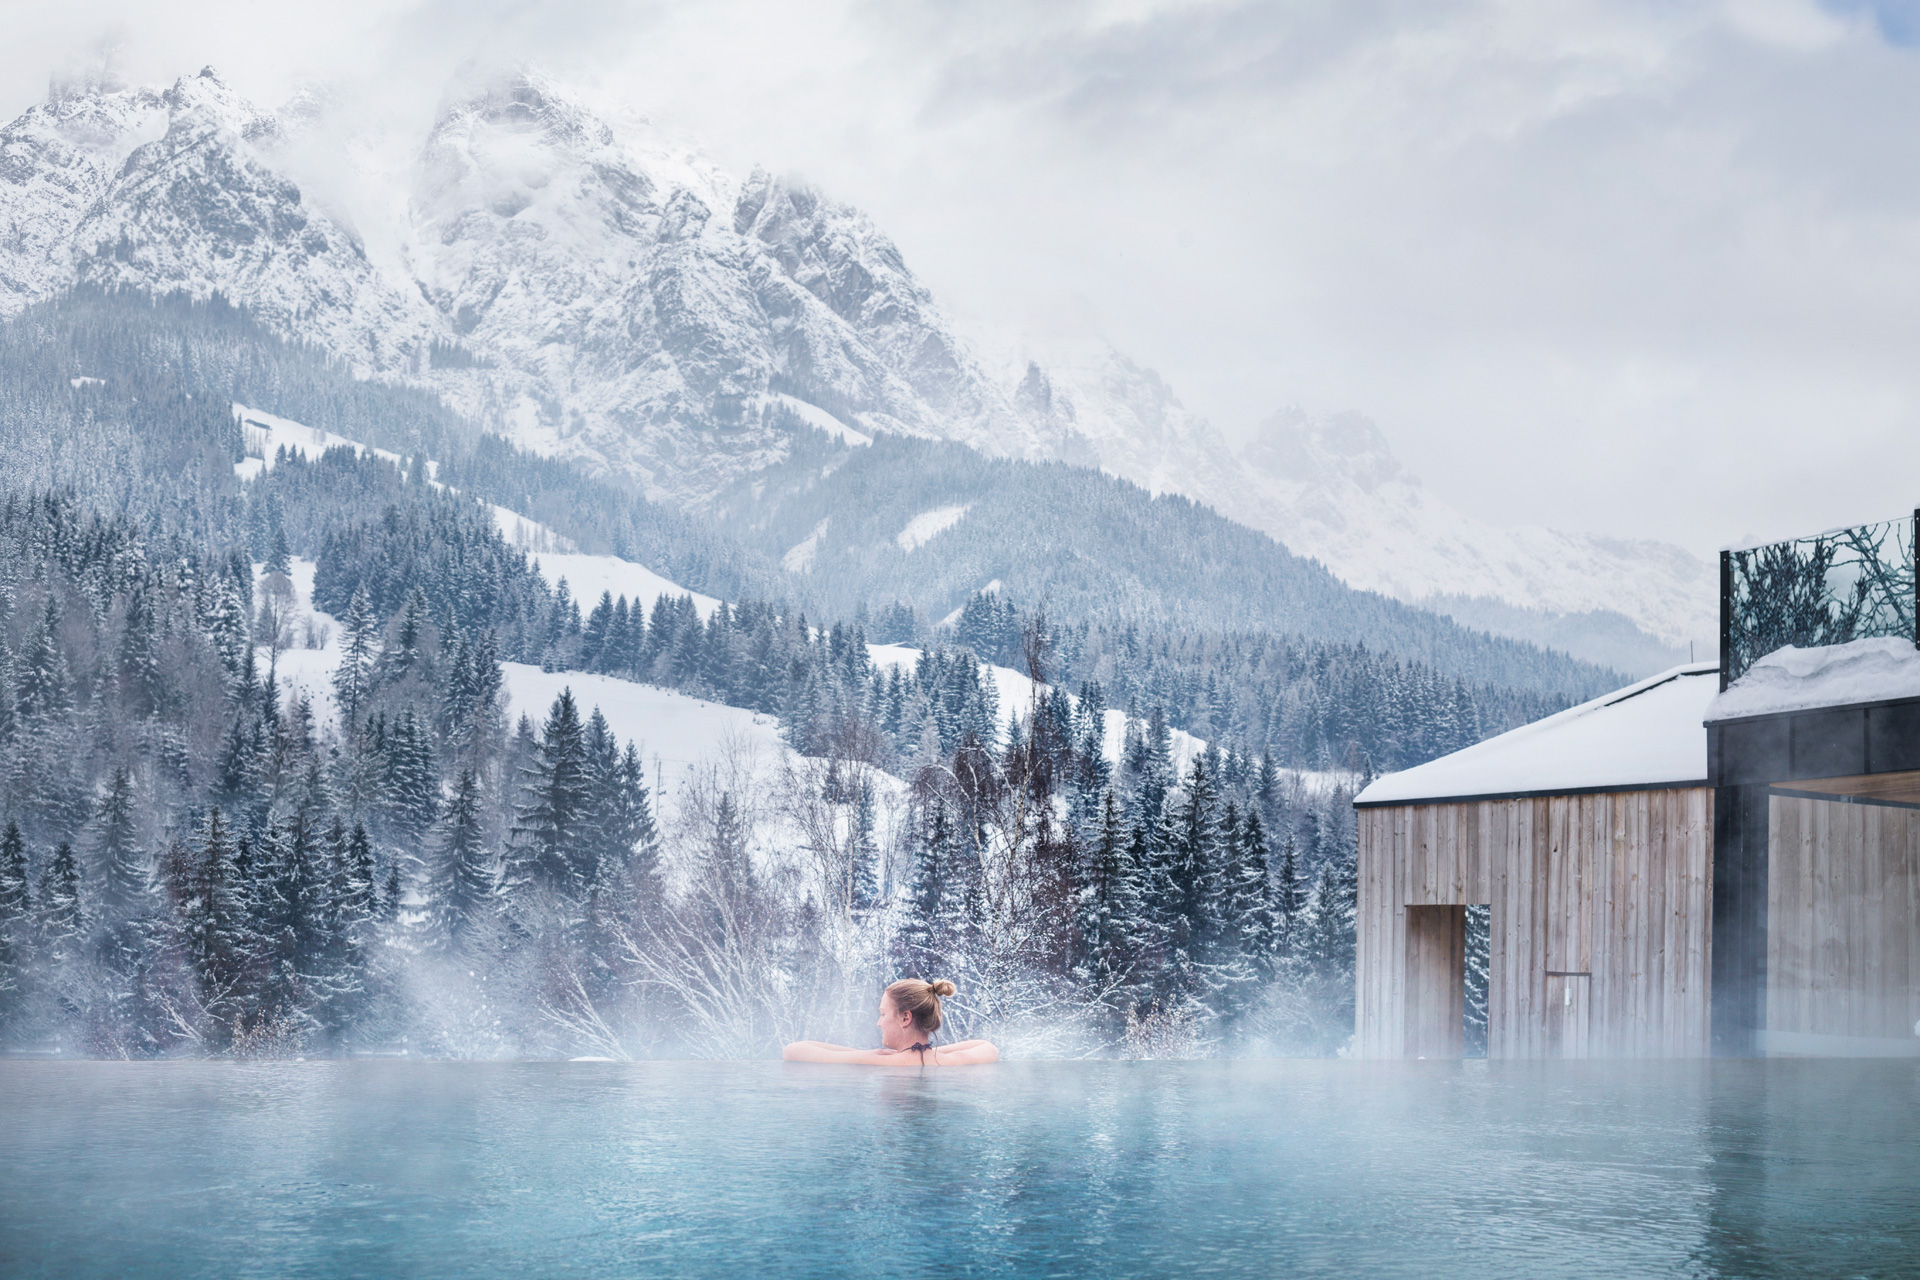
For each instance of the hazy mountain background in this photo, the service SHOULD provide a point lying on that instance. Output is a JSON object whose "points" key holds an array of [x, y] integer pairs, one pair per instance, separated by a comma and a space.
{"points": [[596, 290]]}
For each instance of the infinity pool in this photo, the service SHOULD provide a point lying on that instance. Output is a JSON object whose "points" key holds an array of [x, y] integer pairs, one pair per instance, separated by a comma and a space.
{"points": [[759, 1169]]}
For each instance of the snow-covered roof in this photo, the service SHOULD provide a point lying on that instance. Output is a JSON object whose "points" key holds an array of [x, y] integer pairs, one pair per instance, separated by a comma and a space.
{"points": [[1837, 675], [1649, 734]]}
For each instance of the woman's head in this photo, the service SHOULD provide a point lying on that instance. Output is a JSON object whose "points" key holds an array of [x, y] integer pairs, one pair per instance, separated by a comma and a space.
{"points": [[910, 1011]]}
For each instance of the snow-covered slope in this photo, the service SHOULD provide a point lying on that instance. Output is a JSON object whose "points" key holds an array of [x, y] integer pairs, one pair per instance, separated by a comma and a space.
{"points": [[675, 733], [599, 289], [1015, 692], [266, 434]]}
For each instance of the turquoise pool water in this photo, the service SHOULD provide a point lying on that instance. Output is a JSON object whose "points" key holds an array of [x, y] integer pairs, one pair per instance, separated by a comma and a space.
{"points": [[1030, 1169]]}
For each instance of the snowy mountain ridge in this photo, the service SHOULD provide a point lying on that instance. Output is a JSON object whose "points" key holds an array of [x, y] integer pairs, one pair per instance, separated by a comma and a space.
{"points": [[1335, 491], [613, 296], [1330, 487]]}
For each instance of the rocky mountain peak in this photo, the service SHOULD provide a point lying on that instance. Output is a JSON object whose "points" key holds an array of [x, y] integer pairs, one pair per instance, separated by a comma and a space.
{"points": [[1296, 447]]}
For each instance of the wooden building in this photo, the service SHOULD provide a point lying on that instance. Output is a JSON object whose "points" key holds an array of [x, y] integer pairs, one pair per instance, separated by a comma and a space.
{"points": [[1588, 836], [1815, 754], [1721, 859]]}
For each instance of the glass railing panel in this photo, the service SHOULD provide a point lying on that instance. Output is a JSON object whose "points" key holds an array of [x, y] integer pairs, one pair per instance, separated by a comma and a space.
{"points": [[1831, 588]]}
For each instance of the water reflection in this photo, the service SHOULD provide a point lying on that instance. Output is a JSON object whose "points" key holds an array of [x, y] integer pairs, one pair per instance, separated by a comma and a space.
{"points": [[1232, 1169]]}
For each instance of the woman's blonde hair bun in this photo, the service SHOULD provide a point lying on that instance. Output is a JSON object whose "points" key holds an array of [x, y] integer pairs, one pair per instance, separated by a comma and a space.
{"points": [[921, 1000]]}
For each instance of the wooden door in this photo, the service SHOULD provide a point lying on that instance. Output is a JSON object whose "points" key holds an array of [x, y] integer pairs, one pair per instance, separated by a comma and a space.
{"points": [[1436, 982]]}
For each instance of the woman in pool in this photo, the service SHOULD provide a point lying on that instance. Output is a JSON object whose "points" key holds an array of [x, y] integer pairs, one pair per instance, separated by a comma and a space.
{"points": [[909, 1015]]}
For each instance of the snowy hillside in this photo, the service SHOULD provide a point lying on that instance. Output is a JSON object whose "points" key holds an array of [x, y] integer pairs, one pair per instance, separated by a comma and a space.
{"points": [[675, 730], [675, 733]]}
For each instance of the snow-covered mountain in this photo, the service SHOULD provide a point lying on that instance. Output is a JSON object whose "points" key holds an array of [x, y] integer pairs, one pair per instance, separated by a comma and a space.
{"points": [[600, 294], [1331, 488], [601, 290]]}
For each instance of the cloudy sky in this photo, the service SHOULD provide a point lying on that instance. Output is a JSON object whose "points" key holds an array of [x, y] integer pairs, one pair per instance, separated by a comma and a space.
{"points": [[1650, 269]]}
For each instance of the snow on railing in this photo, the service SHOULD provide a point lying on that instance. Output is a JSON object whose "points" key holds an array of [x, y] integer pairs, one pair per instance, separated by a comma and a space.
{"points": [[1829, 588]]}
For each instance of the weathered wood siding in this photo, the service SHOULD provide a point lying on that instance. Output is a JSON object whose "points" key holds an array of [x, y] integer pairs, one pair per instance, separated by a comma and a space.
{"points": [[1609, 892], [1843, 919]]}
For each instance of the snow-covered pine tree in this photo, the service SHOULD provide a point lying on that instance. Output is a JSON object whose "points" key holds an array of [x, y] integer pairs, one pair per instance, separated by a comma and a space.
{"points": [[1192, 861], [282, 904], [137, 662], [61, 914], [125, 877], [595, 635], [16, 923], [1252, 921], [359, 647], [43, 685], [344, 932], [862, 852], [279, 556], [462, 879], [557, 796], [1109, 919], [1093, 775], [228, 627], [602, 776], [392, 891], [633, 836], [626, 890], [411, 797], [1266, 789], [1289, 901], [920, 942], [214, 915], [1329, 942], [404, 655]]}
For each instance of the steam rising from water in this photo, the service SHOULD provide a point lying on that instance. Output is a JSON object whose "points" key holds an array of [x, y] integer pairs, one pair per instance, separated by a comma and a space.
{"points": [[1232, 1169]]}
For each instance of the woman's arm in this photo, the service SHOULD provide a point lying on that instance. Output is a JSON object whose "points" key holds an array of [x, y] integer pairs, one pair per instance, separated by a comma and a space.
{"points": [[965, 1054], [817, 1051], [968, 1053]]}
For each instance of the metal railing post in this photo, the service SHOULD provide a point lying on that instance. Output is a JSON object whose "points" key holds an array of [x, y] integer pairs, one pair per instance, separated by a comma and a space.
{"points": [[1726, 612]]}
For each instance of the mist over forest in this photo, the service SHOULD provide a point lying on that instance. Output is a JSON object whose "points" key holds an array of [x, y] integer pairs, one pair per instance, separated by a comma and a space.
{"points": [[263, 794]]}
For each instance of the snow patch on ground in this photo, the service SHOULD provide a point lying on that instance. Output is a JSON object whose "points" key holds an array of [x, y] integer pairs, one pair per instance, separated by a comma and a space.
{"points": [[799, 557], [1647, 734], [928, 525], [819, 419], [529, 535], [588, 576], [1793, 679], [267, 433], [675, 734]]}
